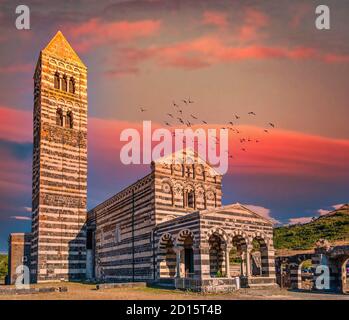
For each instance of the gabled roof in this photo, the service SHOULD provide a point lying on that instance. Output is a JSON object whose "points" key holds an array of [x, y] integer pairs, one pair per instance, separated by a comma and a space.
{"points": [[237, 206], [186, 156], [60, 47]]}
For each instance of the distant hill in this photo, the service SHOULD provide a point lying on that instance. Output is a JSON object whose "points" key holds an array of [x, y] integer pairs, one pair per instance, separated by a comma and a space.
{"points": [[3, 266], [333, 226]]}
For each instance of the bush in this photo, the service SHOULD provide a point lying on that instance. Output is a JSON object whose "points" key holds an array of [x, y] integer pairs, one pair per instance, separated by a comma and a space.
{"points": [[3, 266]]}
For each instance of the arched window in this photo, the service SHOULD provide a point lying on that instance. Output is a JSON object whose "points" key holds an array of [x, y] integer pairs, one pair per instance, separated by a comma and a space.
{"points": [[59, 117], [71, 85], [69, 120], [56, 81], [191, 199], [64, 83]]}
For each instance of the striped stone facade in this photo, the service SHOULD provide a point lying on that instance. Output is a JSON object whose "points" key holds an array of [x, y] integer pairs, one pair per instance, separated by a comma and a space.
{"points": [[124, 247], [171, 225], [59, 164], [211, 234]]}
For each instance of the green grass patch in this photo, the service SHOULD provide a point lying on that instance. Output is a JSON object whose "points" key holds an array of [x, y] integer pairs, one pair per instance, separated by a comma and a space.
{"points": [[304, 236]]}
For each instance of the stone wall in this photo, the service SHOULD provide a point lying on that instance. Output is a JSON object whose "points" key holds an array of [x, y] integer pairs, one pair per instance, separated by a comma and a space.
{"points": [[18, 254]]}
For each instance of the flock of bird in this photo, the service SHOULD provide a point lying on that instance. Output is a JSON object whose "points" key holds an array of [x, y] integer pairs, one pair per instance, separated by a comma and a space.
{"points": [[181, 115]]}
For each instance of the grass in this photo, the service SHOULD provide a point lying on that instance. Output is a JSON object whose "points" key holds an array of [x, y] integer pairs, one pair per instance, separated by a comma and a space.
{"points": [[304, 236], [3, 266]]}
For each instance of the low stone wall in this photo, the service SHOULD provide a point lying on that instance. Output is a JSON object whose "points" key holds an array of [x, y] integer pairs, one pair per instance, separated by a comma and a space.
{"points": [[213, 285], [14, 291], [102, 286]]}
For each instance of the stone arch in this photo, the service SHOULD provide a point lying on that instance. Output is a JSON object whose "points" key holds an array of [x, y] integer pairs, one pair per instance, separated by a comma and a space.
{"points": [[220, 232], [217, 244], [185, 245], [166, 258], [183, 235], [260, 261], [164, 239]]}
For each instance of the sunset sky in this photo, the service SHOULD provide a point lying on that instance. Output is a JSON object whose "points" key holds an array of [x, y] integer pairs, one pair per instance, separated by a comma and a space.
{"points": [[230, 57]]}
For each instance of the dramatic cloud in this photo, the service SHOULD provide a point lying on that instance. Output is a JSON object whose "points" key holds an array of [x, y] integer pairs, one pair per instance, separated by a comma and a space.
{"points": [[252, 24], [323, 212], [15, 125], [16, 68], [215, 18], [300, 220], [264, 212], [21, 218], [98, 32], [208, 51]]}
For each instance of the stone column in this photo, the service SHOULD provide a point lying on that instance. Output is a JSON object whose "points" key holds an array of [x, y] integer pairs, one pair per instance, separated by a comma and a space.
{"points": [[227, 261], [248, 262], [178, 262]]}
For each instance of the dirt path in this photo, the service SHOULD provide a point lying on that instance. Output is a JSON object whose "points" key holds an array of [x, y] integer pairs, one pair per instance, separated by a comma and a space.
{"points": [[88, 292]]}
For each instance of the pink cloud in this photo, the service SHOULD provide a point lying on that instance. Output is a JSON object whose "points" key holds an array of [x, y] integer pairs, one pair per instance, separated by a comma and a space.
{"points": [[98, 32], [336, 58], [21, 218], [301, 220], [208, 50], [301, 11], [323, 212], [15, 125], [215, 18], [252, 24], [17, 68], [264, 212]]}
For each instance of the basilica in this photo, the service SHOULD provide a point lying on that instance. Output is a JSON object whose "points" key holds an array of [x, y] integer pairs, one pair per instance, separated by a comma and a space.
{"points": [[168, 228]]}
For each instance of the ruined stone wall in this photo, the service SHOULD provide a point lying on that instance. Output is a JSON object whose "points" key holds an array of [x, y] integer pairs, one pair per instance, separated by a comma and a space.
{"points": [[18, 253]]}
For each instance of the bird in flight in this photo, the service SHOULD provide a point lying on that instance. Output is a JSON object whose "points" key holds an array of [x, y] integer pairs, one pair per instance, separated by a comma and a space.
{"points": [[237, 117], [252, 113], [205, 122], [272, 124], [180, 120], [167, 124], [170, 115], [175, 104], [142, 109], [190, 101], [243, 149], [185, 101], [193, 116], [265, 130], [231, 122]]}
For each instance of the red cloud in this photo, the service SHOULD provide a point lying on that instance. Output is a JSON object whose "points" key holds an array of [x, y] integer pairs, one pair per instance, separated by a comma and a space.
{"points": [[209, 50], [16, 68], [215, 18], [15, 125], [253, 22], [279, 152], [96, 32]]}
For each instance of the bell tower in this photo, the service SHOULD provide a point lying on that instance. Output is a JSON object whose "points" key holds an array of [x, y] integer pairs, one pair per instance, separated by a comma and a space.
{"points": [[59, 189]]}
